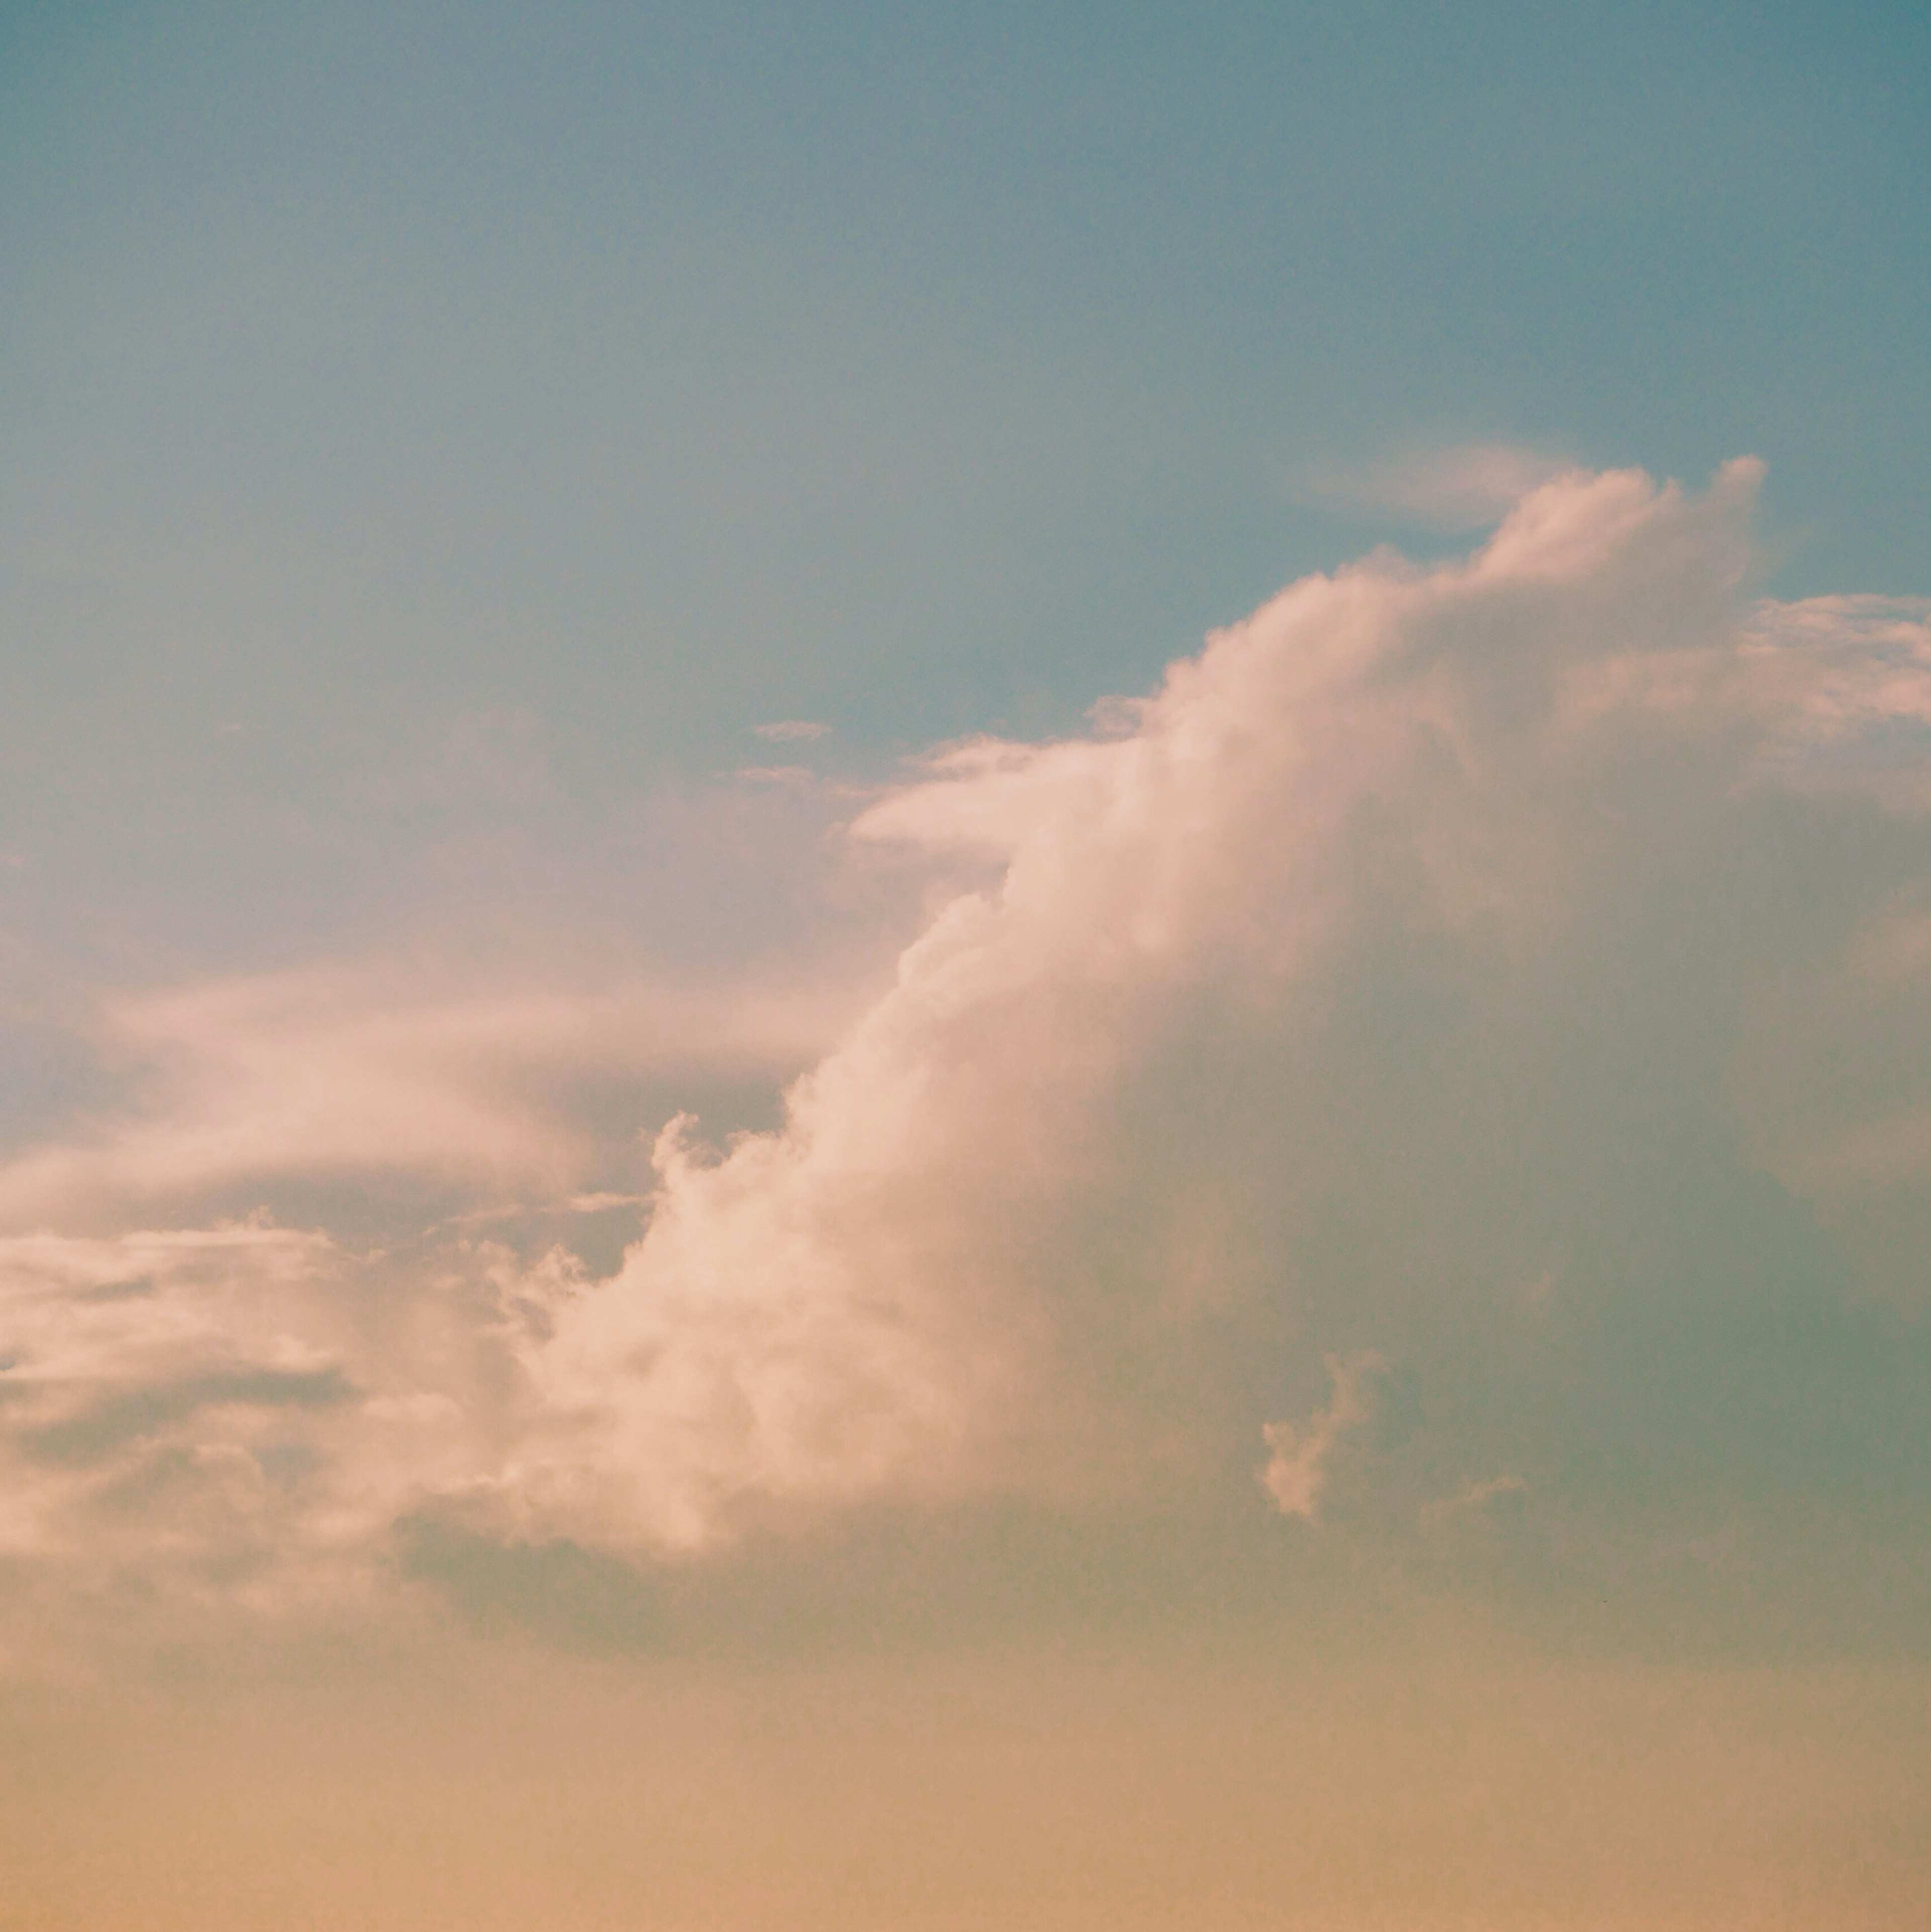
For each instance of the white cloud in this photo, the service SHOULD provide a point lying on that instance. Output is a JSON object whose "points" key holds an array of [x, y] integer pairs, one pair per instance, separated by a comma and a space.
{"points": [[887, 1294], [1358, 968], [242, 1412], [403, 1065]]}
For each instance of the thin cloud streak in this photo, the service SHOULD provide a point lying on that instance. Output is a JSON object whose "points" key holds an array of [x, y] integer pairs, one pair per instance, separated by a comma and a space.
{"points": [[398, 1067], [1464, 486]]}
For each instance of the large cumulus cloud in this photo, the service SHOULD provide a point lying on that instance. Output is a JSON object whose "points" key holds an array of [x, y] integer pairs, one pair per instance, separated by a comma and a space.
{"points": [[1509, 974], [1345, 991]]}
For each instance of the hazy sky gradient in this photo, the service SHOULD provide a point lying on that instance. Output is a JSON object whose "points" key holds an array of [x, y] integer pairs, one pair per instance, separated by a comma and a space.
{"points": [[631, 375], [768, 1157]]}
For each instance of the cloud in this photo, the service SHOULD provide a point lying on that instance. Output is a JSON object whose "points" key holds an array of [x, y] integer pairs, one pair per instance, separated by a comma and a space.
{"points": [[1427, 925], [1473, 1497], [1296, 1469], [791, 731], [403, 1065], [899, 1290], [1464, 486], [115, 1349], [239, 1415], [791, 775]]}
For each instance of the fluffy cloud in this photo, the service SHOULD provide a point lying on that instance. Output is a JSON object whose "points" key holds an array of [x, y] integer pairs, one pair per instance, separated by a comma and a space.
{"points": [[1555, 917], [1116, 1094], [240, 1411]]}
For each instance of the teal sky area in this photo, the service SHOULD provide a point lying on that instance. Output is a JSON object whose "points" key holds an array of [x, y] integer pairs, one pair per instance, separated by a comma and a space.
{"points": [[625, 377]]}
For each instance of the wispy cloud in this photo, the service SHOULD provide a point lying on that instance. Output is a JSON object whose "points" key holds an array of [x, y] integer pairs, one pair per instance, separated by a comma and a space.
{"points": [[407, 1064], [1474, 1498], [791, 731], [794, 776], [1461, 486]]}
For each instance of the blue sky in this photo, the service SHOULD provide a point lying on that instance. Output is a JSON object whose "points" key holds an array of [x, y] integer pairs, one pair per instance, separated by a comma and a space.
{"points": [[656, 372]]}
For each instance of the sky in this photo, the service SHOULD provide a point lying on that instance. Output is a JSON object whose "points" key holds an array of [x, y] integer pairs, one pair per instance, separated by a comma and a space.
{"points": [[965, 968]]}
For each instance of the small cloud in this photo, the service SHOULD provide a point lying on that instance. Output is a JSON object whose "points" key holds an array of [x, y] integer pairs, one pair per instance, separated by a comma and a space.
{"points": [[1464, 486], [791, 731], [1297, 1472], [1474, 1499], [776, 774], [477, 1216]]}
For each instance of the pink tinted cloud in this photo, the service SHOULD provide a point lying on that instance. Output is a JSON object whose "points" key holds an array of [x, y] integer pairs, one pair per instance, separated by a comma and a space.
{"points": [[403, 1065], [1296, 1469], [1013, 1197]]}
